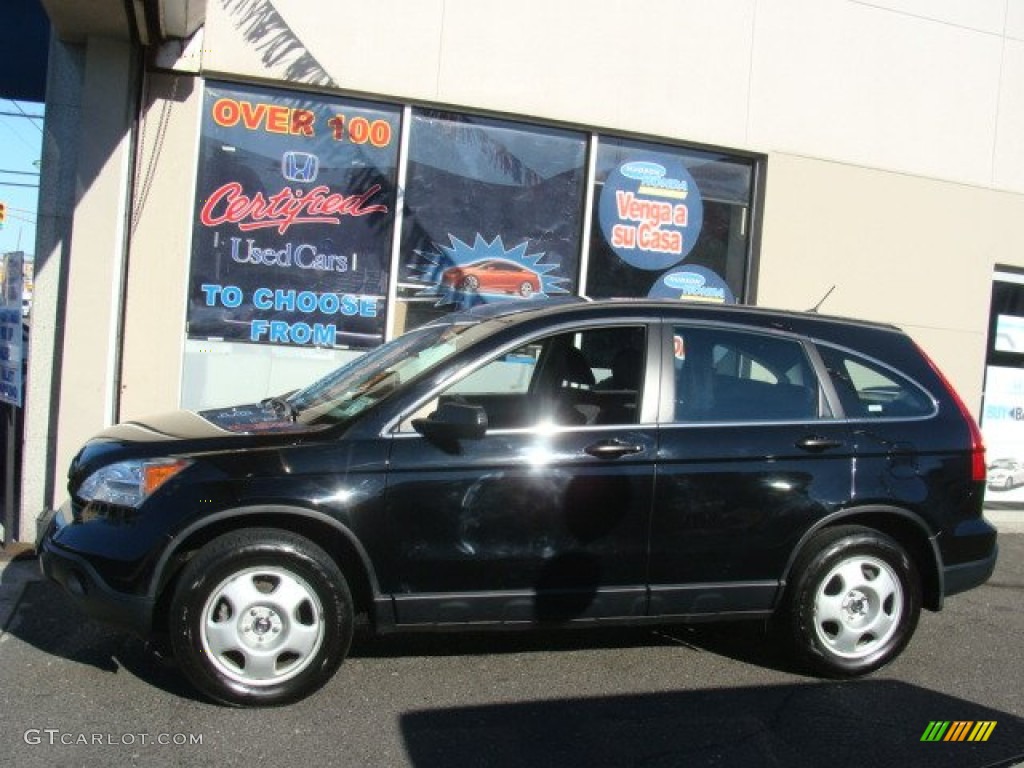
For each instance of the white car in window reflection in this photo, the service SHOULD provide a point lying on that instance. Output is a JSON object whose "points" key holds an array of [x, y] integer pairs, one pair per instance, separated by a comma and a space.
{"points": [[1005, 474]]}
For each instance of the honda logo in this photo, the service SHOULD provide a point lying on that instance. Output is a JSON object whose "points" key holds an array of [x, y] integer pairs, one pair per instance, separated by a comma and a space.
{"points": [[300, 166]]}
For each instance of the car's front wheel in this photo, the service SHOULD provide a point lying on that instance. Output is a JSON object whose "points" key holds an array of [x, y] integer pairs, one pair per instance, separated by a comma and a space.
{"points": [[853, 603], [260, 617]]}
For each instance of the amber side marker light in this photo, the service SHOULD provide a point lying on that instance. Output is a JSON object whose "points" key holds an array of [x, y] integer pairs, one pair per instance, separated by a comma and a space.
{"points": [[156, 474]]}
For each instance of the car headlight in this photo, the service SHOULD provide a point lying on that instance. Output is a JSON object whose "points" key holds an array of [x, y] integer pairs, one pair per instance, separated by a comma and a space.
{"points": [[129, 483]]}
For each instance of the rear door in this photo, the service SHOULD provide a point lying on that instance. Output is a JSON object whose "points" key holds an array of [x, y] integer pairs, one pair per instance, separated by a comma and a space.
{"points": [[749, 457]]}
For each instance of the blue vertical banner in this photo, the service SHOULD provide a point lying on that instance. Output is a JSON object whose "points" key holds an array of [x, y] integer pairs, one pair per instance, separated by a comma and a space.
{"points": [[294, 215], [12, 340]]}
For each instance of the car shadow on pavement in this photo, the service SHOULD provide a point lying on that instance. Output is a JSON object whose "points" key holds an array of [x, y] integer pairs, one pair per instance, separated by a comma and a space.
{"points": [[46, 619], [873, 723], [749, 642]]}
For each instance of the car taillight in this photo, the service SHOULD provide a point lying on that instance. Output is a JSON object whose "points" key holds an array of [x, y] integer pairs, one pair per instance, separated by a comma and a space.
{"points": [[978, 470]]}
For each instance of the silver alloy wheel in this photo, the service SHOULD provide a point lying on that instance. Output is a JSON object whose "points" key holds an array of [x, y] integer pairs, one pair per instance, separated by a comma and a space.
{"points": [[857, 607], [262, 626], [526, 290]]}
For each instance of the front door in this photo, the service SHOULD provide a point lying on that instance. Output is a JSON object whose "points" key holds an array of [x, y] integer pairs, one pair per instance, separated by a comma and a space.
{"points": [[545, 518]]}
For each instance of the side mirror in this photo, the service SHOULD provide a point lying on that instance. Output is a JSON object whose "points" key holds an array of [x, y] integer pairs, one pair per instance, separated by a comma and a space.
{"points": [[452, 422]]}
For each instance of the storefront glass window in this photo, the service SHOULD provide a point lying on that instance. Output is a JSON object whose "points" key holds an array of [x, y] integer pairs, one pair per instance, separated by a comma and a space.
{"points": [[1002, 417], [669, 223], [293, 219], [493, 212], [299, 243]]}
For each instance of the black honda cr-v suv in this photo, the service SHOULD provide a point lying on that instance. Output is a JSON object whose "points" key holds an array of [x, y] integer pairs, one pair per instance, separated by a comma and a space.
{"points": [[545, 465]]}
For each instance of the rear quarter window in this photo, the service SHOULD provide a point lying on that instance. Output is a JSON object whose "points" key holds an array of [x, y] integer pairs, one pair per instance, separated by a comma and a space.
{"points": [[869, 390]]}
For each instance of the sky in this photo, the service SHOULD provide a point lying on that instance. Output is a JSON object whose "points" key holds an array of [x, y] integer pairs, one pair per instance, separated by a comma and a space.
{"points": [[21, 141]]}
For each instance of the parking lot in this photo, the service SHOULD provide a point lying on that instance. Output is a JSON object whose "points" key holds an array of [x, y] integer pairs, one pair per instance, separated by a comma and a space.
{"points": [[78, 693]]}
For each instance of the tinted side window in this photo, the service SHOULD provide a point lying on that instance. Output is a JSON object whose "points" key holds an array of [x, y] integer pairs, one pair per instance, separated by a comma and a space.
{"points": [[579, 378], [725, 375], [868, 390]]}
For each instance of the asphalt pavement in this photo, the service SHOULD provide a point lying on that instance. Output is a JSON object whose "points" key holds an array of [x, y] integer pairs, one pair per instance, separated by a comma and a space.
{"points": [[75, 692]]}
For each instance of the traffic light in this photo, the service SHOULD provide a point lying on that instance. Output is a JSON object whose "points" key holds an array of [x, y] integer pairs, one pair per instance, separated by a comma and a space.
{"points": [[3, 214]]}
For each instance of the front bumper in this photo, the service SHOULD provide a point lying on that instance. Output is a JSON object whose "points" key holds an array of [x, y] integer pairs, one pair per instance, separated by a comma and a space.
{"points": [[86, 588]]}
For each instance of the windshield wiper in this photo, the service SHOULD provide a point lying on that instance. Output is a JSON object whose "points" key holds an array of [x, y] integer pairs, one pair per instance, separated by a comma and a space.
{"points": [[282, 408]]}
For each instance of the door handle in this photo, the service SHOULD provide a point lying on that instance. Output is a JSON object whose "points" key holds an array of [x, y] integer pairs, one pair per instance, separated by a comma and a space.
{"points": [[612, 449], [816, 443]]}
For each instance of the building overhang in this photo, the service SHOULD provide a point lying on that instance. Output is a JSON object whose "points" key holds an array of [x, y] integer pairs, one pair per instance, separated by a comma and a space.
{"points": [[25, 42], [150, 22]]}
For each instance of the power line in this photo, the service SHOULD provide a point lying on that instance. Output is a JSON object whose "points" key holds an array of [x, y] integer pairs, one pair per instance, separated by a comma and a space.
{"points": [[20, 114], [17, 184], [20, 173], [17, 106]]}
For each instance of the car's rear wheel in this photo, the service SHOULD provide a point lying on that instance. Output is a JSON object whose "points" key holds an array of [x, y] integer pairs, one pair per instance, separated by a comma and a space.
{"points": [[260, 617], [526, 290], [854, 601]]}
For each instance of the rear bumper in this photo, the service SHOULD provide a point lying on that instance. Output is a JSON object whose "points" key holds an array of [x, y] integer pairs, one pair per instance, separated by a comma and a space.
{"points": [[964, 576]]}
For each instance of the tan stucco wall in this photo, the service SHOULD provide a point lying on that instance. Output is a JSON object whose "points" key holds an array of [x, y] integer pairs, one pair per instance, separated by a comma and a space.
{"points": [[901, 249], [86, 398], [155, 297], [929, 87]]}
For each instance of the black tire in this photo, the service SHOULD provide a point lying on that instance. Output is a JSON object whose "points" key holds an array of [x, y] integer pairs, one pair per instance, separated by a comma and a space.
{"points": [[298, 612], [853, 602]]}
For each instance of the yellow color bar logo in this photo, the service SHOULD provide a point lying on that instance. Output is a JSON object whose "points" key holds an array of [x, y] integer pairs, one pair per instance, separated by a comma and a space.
{"points": [[958, 730]]}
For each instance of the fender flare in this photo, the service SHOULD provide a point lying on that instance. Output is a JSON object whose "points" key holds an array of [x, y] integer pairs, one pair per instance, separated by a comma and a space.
{"points": [[159, 579], [849, 513]]}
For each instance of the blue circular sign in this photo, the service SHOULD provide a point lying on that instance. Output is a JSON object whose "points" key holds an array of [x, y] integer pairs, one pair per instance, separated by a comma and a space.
{"points": [[693, 284], [651, 212]]}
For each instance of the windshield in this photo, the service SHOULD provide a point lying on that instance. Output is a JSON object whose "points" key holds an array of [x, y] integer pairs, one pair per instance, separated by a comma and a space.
{"points": [[351, 389]]}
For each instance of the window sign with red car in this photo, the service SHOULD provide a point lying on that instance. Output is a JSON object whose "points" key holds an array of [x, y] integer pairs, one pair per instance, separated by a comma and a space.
{"points": [[493, 212]]}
